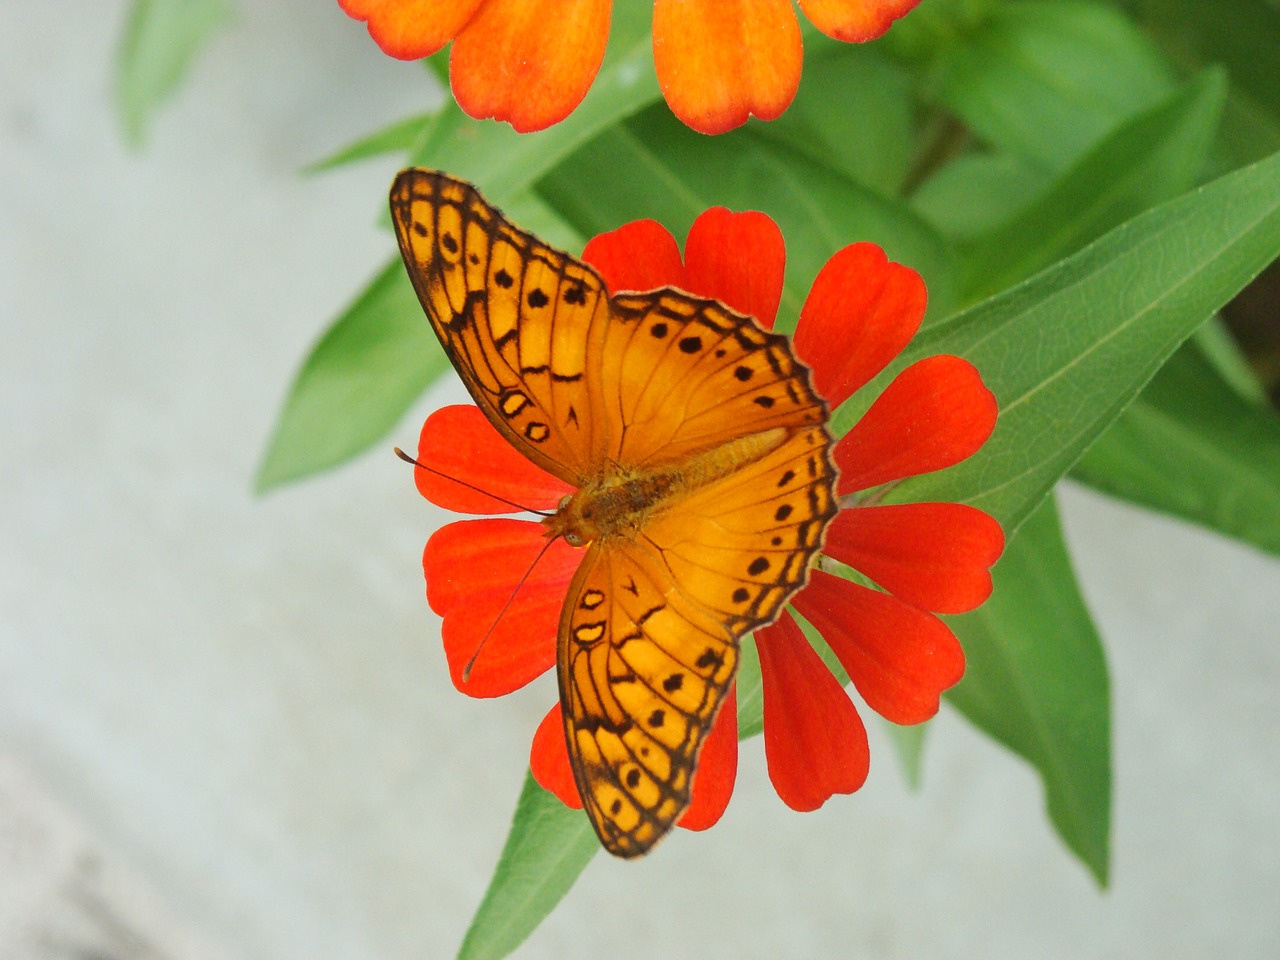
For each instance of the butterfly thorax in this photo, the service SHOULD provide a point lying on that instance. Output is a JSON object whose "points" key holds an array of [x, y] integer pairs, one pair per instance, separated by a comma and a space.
{"points": [[620, 501]]}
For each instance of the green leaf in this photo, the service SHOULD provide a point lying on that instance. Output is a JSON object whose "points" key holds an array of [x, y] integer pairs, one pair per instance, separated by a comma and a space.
{"points": [[1249, 132], [1068, 350], [908, 744], [853, 112], [160, 41], [1036, 681], [1152, 158], [1191, 446], [977, 192], [1046, 80], [750, 690], [504, 163], [1243, 36], [548, 847], [673, 174], [399, 137], [1223, 352], [357, 382]]}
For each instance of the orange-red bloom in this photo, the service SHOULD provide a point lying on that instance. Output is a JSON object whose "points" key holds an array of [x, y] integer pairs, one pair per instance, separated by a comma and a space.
{"points": [[530, 62], [926, 558]]}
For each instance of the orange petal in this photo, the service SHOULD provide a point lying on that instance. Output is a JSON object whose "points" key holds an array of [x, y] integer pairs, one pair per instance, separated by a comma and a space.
{"points": [[529, 62], [814, 740], [855, 21], [504, 629], [641, 255], [738, 259], [933, 555], [411, 29], [861, 311], [459, 442], [721, 61], [935, 413], [549, 760], [717, 769], [899, 658]]}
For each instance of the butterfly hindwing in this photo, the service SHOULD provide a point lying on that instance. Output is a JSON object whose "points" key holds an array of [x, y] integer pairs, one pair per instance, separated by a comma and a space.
{"points": [[642, 674], [741, 547], [650, 632]]}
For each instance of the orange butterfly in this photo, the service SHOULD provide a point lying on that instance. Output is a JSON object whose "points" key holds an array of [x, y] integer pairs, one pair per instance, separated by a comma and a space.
{"points": [[702, 462]]}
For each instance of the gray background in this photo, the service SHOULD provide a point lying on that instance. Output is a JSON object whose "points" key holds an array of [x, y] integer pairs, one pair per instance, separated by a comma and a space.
{"points": [[226, 728]]}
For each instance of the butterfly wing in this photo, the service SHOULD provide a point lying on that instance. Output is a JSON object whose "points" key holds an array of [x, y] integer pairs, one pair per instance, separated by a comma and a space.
{"points": [[636, 706], [650, 630], [683, 375], [517, 318], [573, 379]]}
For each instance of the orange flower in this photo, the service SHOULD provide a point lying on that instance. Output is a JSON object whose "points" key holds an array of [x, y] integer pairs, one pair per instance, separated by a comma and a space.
{"points": [[500, 579], [530, 62]]}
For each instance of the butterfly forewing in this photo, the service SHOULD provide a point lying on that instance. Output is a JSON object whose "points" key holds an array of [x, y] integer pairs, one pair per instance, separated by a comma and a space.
{"points": [[686, 374], [514, 316]]}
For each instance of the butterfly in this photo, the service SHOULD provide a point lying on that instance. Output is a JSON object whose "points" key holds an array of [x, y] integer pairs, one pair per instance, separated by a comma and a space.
{"points": [[702, 461]]}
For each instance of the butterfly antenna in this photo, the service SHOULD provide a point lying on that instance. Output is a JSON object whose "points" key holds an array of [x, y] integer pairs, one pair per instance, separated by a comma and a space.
{"points": [[511, 503], [466, 671]]}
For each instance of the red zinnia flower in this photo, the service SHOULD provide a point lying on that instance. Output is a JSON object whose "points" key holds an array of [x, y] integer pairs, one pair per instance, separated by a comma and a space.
{"points": [[530, 62], [927, 557]]}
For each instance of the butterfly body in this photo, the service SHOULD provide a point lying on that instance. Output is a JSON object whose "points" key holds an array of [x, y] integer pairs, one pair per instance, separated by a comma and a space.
{"points": [[701, 457], [622, 501]]}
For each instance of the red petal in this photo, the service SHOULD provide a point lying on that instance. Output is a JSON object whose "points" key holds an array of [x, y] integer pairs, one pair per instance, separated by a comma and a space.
{"points": [[472, 569], [899, 658], [738, 259], [641, 255], [814, 741], [411, 29], [721, 61], [860, 313], [936, 413], [855, 21], [529, 62], [717, 769], [460, 442], [933, 555], [549, 760]]}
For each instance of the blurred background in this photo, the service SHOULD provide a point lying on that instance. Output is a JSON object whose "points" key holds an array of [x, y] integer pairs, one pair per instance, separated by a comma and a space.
{"points": [[226, 726]]}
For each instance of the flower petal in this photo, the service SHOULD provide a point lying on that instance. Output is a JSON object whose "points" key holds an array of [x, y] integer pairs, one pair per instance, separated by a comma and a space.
{"points": [[933, 555], [814, 741], [721, 61], [934, 414], [528, 62], [855, 21], [899, 658], [738, 259], [861, 311], [473, 570], [641, 255], [411, 29], [460, 442], [717, 769], [549, 760]]}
